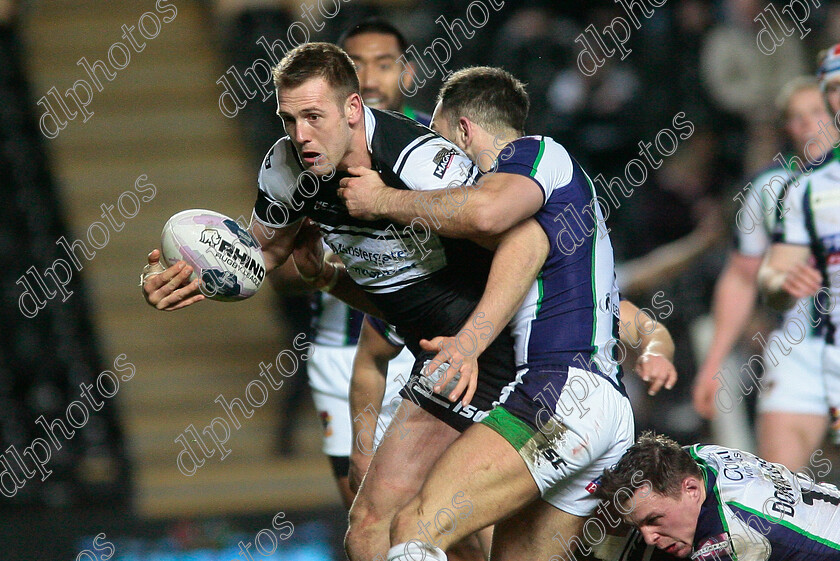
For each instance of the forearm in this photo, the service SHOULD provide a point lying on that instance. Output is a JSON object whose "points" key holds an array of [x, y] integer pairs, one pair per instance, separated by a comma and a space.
{"points": [[334, 280], [519, 257], [732, 308], [367, 388], [656, 340], [443, 218]]}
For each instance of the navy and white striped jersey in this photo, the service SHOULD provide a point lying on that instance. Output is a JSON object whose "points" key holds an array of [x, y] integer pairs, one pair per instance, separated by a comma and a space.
{"points": [[756, 225]]}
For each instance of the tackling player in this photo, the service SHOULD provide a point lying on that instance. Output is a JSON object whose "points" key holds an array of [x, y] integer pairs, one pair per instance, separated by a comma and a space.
{"points": [[534, 443], [793, 412], [716, 503]]}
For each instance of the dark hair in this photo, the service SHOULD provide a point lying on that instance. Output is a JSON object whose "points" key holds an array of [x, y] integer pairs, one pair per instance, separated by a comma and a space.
{"points": [[317, 60], [373, 25], [491, 97], [654, 460]]}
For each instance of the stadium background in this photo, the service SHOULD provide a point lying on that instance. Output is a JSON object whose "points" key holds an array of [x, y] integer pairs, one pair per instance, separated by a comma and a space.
{"points": [[159, 117]]}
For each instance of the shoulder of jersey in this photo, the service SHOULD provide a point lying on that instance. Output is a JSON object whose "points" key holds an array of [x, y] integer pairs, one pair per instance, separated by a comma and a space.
{"points": [[280, 168], [410, 148]]}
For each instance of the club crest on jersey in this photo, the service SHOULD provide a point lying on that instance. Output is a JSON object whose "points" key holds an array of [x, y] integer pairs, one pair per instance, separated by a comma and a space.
{"points": [[593, 485], [442, 160], [713, 548]]}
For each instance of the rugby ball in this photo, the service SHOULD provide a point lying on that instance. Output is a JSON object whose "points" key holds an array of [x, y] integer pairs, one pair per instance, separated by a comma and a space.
{"points": [[223, 254]]}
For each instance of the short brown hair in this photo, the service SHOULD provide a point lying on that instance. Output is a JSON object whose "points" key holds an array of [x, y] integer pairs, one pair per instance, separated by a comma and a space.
{"points": [[654, 460], [491, 97], [317, 60]]}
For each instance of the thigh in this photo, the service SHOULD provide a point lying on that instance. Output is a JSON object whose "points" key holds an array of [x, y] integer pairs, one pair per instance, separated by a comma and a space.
{"points": [[568, 426], [539, 531], [402, 461], [479, 480], [790, 438]]}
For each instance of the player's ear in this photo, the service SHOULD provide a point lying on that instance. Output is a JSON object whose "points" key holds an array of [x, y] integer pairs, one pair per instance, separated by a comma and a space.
{"points": [[466, 131], [353, 108], [693, 487]]}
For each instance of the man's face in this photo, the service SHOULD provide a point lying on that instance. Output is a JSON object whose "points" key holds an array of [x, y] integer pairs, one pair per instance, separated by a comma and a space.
{"points": [[666, 522], [375, 56], [316, 123], [805, 110]]}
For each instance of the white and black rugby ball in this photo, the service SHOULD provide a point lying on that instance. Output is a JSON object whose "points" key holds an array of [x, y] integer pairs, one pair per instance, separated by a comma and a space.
{"points": [[225, 256]]}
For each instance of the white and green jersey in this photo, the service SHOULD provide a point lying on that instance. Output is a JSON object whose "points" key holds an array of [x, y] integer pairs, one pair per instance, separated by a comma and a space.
{"points": [[758, 511], [570, 314], [813, 220], [755, 227]]}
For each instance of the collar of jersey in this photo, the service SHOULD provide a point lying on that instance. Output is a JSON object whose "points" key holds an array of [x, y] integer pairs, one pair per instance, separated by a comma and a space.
{"points": [[370, 124]]}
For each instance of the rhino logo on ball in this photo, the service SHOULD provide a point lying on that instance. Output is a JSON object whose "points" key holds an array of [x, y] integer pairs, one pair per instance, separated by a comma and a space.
{"points": [[210, 237]]}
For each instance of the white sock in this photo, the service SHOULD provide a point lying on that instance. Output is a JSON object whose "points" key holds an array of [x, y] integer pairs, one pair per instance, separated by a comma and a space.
{"points": [[416, 550]]}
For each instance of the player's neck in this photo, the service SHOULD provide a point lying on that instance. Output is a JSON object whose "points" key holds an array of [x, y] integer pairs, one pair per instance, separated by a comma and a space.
{"points": [[358, 154], [485, 147]]}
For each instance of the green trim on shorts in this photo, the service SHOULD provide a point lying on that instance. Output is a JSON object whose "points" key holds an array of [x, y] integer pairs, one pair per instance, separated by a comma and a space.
{"points": [[514, 430]]}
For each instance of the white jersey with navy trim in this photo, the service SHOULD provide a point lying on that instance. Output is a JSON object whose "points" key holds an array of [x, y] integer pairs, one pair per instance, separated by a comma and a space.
{"points": [[758, 511], [753, 238], [813, 220], [380, 256], [570, 314]]}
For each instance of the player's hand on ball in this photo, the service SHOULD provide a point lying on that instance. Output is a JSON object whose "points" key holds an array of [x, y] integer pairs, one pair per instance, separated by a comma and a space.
{"points": [[459, 364], [657, 371], [363, 194], [308, 252], [169, 289]]}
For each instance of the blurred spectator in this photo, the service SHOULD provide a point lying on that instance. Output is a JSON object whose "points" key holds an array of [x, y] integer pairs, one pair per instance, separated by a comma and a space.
{"points": [[743, 81]]}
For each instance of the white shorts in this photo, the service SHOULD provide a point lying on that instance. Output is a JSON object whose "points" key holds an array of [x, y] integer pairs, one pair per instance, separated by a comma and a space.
{"points": [[329, 370], [591, 427], [796, 384]]}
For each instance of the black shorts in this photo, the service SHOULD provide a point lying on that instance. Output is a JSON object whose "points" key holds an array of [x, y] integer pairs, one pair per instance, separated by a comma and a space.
{"points": [[440, 306]]}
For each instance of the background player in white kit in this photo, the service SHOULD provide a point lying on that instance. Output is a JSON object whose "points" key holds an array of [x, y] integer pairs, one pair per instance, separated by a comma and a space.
{"points": [[792, 408], [810, 229]]}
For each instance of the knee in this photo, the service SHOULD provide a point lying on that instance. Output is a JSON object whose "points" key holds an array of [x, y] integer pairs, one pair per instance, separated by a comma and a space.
{"points": [[362, 520], [404, 524]]}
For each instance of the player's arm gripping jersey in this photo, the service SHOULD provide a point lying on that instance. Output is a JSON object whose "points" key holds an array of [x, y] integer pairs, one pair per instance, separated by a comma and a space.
{"points": [[758, 511]]}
